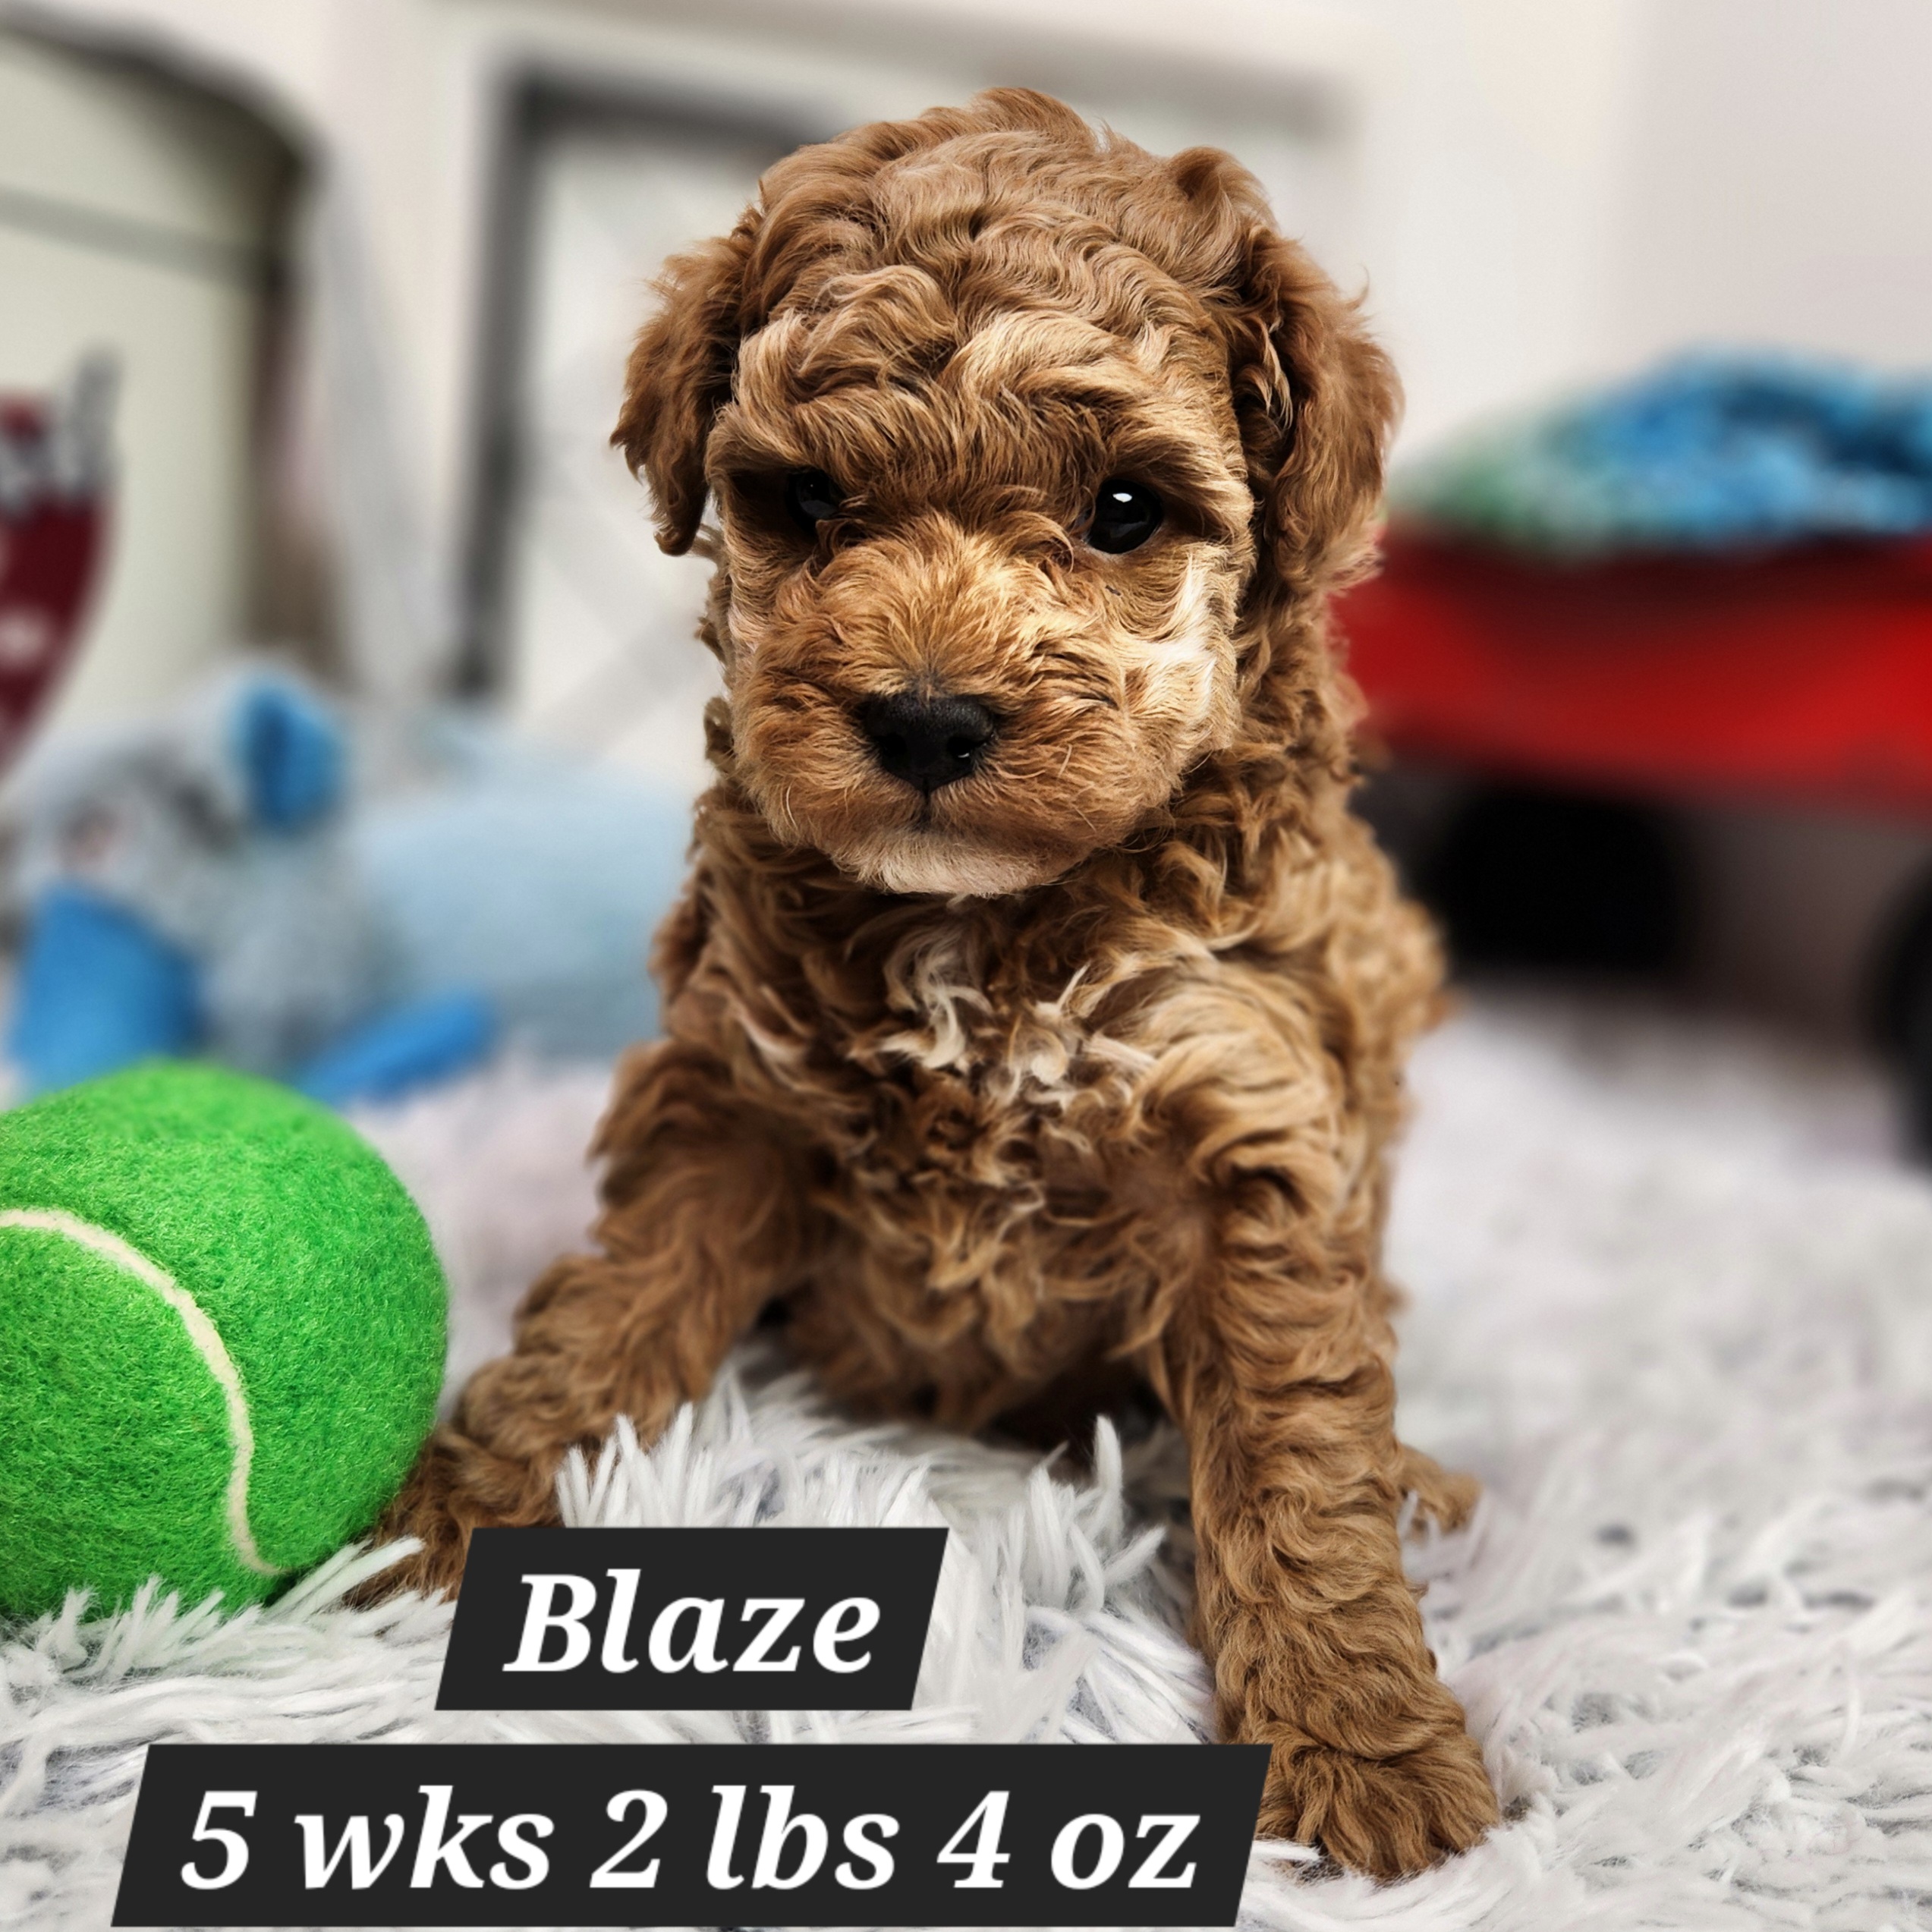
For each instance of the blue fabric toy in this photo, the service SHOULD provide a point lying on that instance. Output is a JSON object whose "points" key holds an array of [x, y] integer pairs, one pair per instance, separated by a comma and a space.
{"points": [[1709, 452], [217, 882], [97, 988]]}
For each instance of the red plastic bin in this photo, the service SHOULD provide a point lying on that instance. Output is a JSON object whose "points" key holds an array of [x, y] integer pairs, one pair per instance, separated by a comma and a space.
{"points": [[1798, 675]]}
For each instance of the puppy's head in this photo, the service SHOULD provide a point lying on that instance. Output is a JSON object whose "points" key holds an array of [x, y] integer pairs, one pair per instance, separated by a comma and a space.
{"points": [[1020, 437]]}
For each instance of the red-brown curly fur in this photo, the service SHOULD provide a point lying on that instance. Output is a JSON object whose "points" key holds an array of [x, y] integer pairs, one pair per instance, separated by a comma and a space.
{"points": [[1086, 1061]]}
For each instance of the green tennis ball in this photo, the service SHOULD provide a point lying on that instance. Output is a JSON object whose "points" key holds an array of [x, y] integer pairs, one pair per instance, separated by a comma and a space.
{"points": [[221, 1337]]}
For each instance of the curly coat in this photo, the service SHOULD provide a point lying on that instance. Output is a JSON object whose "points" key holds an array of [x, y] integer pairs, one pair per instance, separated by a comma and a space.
{"points": [[1084, 1065]]}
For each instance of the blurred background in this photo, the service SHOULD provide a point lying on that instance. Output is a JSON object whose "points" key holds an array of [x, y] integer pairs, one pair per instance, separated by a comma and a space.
{"points": [[352, 714]]}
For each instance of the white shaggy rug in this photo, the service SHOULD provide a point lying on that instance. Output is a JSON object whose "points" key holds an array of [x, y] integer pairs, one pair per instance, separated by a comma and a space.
{"points": [[1673, 1303]]}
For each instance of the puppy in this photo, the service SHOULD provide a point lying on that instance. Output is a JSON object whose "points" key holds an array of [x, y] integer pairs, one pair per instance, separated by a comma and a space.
{"points": [[1036, 1011]]}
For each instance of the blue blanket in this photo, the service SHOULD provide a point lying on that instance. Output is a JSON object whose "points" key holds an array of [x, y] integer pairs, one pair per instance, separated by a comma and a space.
{"points": [[1709, 452]]}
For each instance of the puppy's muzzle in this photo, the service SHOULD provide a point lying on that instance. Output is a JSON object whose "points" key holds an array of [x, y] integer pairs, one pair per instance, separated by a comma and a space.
{"points": [[927, 740]]}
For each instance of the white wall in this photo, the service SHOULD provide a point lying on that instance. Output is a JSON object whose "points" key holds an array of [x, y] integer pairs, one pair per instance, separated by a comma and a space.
{"points": [[1778, 183]]}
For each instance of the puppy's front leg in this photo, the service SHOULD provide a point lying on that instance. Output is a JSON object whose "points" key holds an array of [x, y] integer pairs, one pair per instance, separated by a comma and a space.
{"points": [[702, 1224], [1315, 1637]]}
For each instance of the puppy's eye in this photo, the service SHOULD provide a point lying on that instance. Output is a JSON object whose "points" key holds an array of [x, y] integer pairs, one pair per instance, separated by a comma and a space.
{"points": [[811, 498], [1125, 515]]}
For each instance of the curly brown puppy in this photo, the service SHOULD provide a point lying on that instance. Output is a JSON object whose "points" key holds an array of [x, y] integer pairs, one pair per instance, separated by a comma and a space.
{"points": [[1036, 1006]]}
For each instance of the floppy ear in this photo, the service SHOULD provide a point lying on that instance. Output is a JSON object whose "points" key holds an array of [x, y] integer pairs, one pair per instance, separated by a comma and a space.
{"points": [[679, 377], [1318, 399], [1315, 397]]}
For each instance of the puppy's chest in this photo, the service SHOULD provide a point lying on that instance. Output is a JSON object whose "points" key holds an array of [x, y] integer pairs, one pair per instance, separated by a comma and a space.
{"points": [[988, 1080]]}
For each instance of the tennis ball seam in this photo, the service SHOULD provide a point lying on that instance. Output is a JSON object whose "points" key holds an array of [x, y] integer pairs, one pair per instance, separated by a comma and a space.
{"points": [[201, 1332]]}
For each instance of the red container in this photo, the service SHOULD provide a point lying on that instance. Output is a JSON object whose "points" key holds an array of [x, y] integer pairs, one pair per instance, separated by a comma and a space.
{"points": [[1800, 675], [52, 543]]}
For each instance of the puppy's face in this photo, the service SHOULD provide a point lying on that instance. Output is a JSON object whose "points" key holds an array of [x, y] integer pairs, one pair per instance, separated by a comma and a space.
{"points": [[986, 553], [972, 418]]}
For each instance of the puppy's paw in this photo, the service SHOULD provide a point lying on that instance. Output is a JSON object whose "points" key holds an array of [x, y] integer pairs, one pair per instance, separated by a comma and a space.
{"points": [[1387, 1817], [1444, 1497], [424, 1510]]}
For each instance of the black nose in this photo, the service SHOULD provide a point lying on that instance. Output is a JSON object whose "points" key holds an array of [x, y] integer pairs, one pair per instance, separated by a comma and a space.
{"points": [[927, 741]]}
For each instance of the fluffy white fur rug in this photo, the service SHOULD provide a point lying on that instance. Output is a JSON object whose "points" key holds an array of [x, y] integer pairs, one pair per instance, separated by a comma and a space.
{"points": [[1674, 1304]]}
